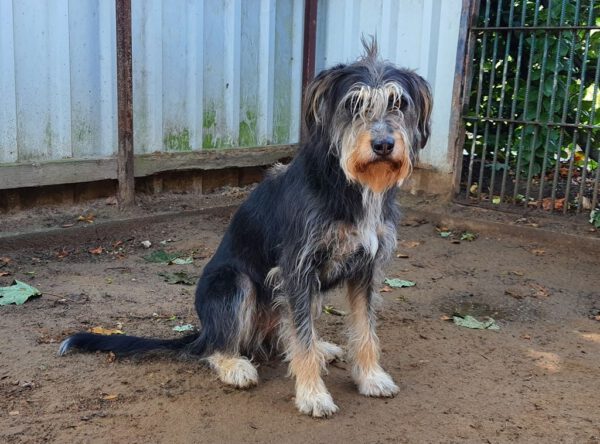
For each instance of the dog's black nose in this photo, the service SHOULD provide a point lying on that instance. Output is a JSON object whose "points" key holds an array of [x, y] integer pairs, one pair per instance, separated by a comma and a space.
{"points": [[383, 147]]}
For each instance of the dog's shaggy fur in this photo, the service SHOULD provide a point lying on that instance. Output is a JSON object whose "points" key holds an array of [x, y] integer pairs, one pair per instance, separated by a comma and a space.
{"points": [[329, 218]]}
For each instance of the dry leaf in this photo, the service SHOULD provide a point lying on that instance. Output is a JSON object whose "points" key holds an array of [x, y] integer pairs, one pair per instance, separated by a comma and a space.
{"points": [[539, 291], [597, 317], [526, 337], [517, 273], [445, 318], [402, 256], [13, 413], [67, 225], [110, 397], [410, 244], [97, 250], [62, 253], [4, 273], [5, 260], [386, 289], [117, 244], [105, 331], [586, 203], [89, 218], [538, 251], [558, 203]]}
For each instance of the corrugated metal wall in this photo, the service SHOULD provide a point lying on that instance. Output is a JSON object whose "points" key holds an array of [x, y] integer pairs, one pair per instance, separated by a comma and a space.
{"points": [[206, 74], [417, 34]]}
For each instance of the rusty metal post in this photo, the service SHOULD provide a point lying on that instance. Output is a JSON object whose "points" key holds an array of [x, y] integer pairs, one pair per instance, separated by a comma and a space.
{"points": [[308, 53], [125, 173], [310, 42]]}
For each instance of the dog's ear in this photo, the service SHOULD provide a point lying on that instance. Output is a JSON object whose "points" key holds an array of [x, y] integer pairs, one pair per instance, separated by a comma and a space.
{"points": [[318, 96], [420, 93]]}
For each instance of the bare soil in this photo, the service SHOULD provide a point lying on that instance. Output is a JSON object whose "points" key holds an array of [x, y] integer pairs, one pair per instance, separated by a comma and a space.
{"points": [[534, 380]]}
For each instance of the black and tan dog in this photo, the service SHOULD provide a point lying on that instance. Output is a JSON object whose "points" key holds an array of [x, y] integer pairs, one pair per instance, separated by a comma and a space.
{"points": [[329, 218]]}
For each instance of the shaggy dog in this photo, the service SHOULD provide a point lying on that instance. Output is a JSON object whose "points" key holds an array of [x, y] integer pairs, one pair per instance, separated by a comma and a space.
{"points": [[328, 218]]}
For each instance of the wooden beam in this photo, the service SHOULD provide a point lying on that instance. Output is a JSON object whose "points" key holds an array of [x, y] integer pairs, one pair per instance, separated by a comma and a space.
{"points": [[125, 175], [59, 172]]}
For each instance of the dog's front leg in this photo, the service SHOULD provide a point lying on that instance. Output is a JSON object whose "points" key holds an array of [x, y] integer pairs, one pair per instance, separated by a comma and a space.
{"points": [[306, 357], [363, 345]]}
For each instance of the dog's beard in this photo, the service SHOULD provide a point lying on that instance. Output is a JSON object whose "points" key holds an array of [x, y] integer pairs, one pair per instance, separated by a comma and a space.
{"points": [[362, 166]]}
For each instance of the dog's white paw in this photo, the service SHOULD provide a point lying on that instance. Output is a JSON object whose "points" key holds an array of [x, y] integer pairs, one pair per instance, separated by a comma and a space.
{"points": [[377, 383], [331, 352], [318, 405], [238, 372]]}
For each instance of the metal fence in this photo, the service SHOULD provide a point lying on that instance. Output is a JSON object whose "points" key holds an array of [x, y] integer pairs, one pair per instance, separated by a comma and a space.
{"points": [[531, 106]]}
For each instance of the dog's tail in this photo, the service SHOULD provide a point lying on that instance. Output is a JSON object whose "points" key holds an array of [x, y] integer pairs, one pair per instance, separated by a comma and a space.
{"points": [[125, 345]]}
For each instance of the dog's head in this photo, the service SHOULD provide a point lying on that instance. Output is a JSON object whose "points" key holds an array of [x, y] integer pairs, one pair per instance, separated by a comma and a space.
{"points": [[374, 116]]}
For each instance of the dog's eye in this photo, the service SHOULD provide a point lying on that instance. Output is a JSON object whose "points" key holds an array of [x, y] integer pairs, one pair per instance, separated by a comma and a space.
{"points": [[354, 105], [395, 103]]}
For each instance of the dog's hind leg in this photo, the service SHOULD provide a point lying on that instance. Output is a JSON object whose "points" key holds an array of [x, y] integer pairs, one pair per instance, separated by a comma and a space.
{"points": [[307, 359], [226, 305], [371, 379]]}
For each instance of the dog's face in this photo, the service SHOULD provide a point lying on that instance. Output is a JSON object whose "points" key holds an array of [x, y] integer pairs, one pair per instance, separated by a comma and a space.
{"points": [[375, 117]]}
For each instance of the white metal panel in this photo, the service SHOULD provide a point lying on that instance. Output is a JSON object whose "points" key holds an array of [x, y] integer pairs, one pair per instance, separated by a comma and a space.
{"points": [[206, 74], [8, 109], [410, 34], [42, 79], [92, 69]]}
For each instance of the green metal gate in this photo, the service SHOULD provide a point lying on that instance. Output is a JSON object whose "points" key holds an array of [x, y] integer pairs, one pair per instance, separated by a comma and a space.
{"points": [[531, 112]]}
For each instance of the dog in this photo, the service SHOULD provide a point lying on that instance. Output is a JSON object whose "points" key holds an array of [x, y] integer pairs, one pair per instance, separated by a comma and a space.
{"points": [[326, 219]]}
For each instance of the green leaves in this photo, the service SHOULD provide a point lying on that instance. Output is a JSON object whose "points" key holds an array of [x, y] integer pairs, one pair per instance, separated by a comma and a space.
{"points": [[471, 322], [162, 257], [17, 293], [398, 283]]}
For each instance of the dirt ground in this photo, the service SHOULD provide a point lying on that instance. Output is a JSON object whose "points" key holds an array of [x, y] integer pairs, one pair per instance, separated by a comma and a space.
{"points": [[537, 379]]}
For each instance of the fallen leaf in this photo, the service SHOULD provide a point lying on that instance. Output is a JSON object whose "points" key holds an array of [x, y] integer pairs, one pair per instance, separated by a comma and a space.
{"points": [[89, 218], [105, 331], [398, 283], [97, 250], [162, 257], [183, 260], [547, 203], [496, 200], [539, 290], [13, 413], [113, 397], [68, 225], [5, 260], [468, 236], [471, 322], [596, 318], [4, 273], [180, 277], [586, 203], [117, 244], [539, 252], [527, 337], [517, 273], [402, 256], [17, 293], [385, 289], [185, 327], [62, 253], [410, 244], [331, 310], [445, 318], [445, 234]]}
